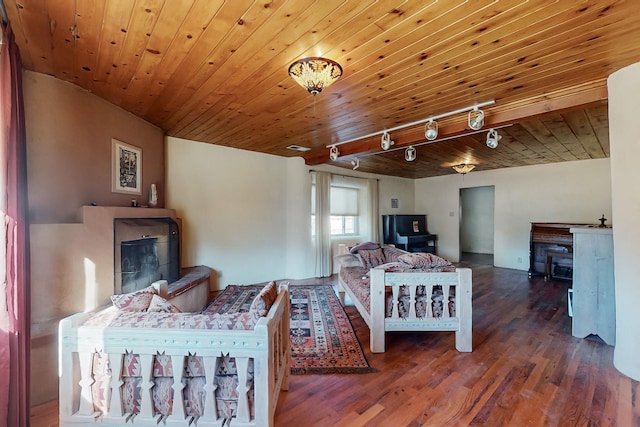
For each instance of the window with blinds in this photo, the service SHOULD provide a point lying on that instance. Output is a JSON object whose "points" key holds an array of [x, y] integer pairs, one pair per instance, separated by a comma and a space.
{"points": [[344, 210]]}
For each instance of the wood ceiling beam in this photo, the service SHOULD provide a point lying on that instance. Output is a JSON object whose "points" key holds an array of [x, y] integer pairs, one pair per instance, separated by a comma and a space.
{"points": [[499, 115]]}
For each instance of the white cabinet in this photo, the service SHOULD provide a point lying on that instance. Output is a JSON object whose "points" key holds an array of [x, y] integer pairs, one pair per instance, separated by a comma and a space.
{"points": [[594, 307]]}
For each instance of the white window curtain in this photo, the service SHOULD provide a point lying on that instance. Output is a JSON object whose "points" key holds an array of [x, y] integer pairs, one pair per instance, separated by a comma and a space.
{"points": [[373, 210], [323, 224]]}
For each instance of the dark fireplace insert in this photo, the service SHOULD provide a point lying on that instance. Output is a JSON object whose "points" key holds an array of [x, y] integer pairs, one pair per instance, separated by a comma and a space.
{"points": [[145, 250]]}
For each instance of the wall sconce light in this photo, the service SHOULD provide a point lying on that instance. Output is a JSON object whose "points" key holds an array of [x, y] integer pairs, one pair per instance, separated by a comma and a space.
{"points": [[492, 138], [476, 119], [431, 130], [334, 153], [386, 141], [355, 163], [410, 154]]}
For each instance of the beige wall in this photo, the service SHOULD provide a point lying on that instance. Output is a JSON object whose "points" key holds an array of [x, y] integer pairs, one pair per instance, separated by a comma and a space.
{"points": [[577, 192], [69, 133], [249, 214], [624, 129]]}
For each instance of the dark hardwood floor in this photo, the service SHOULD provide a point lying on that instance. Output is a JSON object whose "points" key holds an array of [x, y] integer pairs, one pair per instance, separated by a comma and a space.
{"points": [[525, 370]]}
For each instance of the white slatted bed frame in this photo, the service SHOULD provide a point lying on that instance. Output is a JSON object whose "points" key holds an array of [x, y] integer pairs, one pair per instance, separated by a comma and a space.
{"points": [[267, 345], [378, 324]]}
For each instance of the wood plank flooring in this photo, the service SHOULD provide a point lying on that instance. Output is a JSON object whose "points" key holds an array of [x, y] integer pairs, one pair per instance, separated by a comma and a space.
{"points": [[526, 369]]}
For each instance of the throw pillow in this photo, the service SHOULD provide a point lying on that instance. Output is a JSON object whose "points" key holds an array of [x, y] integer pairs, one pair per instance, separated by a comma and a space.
{"points": [[391, 253], [134, 301], [371, 258], [423, 260], [159, 304], [364, 246], [265, 299]]}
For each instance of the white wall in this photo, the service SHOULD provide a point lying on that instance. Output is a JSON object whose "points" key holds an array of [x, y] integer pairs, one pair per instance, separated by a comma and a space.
{"points": [[577, 192], [624, 127], [396, 188], [248, 215]]}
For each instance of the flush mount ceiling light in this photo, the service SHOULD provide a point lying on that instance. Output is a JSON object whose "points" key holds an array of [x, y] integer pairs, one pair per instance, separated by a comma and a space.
{"points": [[315, 74], [476, 119], [463, 168], [410, 154], [492, 138], [355, 163], [334, 153], [431, 130], [385, 141]]}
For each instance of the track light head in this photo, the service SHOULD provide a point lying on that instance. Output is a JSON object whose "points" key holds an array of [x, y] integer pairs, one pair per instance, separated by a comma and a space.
{"points": [[492, 138], [355, 163], [431, 130], [386, 141], [476, 119], [334, 153], [410, 154]]}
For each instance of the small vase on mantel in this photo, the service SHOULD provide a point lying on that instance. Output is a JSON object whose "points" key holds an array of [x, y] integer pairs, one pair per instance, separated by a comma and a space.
{"points": [[153, 196]]}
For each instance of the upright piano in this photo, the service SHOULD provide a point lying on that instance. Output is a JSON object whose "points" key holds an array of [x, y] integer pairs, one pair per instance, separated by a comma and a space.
{"points": [[408, 232], [551, 250]]}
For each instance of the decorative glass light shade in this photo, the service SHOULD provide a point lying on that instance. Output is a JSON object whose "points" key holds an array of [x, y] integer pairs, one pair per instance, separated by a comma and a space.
{"points": [[334, 153], [492, 138], [476, 119], [385, 141], [410, 154], [431, 130], [315, 74], [463, 168]]}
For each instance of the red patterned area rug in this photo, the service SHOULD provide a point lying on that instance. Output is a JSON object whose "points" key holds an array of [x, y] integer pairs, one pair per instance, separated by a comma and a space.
{"points": [[321, 336]]}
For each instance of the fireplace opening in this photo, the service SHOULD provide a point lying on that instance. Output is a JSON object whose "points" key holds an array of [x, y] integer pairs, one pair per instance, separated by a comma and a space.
{"points": [[145, 250]]}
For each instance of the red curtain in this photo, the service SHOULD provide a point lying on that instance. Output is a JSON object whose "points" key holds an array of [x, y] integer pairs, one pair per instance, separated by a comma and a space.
{"points": [[15, 314]]}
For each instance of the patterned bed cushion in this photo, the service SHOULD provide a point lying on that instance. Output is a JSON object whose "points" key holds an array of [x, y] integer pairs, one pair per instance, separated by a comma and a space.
{"points": [[159, 304], [357, 280], [265, 299], [423, 260], [372, 257], [134, 301], [421, 302], [194, 380], [159, 320]]}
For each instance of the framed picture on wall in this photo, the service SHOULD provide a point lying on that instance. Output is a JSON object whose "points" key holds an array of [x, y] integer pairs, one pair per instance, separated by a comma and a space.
{"points": [[126, 168]]}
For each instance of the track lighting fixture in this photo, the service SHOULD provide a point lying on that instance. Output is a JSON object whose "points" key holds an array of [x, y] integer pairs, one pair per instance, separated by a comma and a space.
{"points": [[492, 138], [431, 130], [476, 119], [386, 141], [410, 154], [355, 163], [334, 153]]}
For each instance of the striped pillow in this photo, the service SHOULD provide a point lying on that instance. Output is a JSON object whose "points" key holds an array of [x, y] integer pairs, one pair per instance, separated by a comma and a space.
{"points": [[265, 299]]}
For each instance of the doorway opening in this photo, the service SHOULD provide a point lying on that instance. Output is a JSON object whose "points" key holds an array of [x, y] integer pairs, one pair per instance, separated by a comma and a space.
{"points": [[477, 211]]}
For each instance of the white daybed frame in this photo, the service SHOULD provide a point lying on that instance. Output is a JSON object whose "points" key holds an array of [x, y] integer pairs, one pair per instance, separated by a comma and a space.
{"points": [[379, 324], [267, 345]]}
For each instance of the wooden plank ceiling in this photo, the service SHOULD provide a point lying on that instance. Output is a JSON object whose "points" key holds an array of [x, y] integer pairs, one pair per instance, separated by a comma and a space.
{"points": [[216, 72]]}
